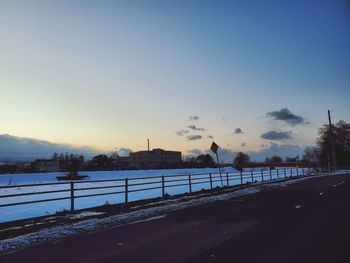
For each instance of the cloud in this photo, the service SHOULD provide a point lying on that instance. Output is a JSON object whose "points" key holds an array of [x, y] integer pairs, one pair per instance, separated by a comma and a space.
{"points": [[193, 118], [195, 128], [243, 144], [194, 152], [181, 132], [193, 137], [27, 149], [283, 150], [123, 151], [210, 137], [286, 116], [275, 135], [238, 131], [227, 155]]}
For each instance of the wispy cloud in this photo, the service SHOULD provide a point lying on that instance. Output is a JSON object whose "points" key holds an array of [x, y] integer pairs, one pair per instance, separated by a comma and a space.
{"points": [[243, 144], [210, 137], [193, 118], [181, 132], [286, 116], [275, 135], [195, 128], [193, 137]]}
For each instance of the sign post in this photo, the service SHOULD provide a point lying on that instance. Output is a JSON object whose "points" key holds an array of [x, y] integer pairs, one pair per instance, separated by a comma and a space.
{"points": [[214, 148]]}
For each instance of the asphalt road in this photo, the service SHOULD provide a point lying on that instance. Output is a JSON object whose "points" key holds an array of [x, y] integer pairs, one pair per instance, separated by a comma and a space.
{"points": [[304, 222]]}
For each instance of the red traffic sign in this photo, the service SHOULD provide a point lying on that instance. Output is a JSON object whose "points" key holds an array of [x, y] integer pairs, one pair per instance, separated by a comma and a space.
{"points": [[214, 147]]}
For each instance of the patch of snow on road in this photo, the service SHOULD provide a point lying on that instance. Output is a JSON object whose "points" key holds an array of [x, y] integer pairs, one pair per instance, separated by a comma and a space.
{"points": [[336, 185], [59, 232], [84, 214]]}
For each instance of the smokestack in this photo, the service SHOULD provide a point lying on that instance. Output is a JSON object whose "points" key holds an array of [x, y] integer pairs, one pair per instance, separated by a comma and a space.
{"points": [[148, 144]]}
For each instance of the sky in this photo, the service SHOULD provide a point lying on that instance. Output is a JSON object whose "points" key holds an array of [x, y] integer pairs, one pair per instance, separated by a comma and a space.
{"points": [[253, 76]]}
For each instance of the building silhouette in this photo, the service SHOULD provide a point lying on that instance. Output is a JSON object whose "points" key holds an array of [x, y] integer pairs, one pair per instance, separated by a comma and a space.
{"points": [[155, 158]]}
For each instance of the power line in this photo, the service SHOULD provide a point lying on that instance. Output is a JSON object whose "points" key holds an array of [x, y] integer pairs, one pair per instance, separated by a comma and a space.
{"points": [[340, 112], [341, 107], [341, 115]]}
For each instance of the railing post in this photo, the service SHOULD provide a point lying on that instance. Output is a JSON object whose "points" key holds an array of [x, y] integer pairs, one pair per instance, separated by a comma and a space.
{"points": [[302, 169], [163, 186], [270, 174], [190, 183], [297, 171], [126, 191], [262, 175], [291, 172], [285, 175], [228, 182], [251, 174], [278, 176], [211, 181], [71, 196], [241, 178]]}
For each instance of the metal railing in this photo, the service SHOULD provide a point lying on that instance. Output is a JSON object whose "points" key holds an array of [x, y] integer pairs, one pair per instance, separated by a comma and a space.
{"points": [[74, 190]]}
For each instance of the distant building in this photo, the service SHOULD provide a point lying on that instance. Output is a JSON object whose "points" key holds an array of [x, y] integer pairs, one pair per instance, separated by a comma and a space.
{"points": [[154, 158], [121, 163], [43, 165], [22, 167]]}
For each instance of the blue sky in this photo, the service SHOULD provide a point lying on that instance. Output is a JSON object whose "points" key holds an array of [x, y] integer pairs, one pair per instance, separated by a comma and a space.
{"points": [[110, 74]]}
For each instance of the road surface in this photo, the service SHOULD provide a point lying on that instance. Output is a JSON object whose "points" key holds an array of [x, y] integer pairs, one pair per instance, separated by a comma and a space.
{"points": [[304, 222]]}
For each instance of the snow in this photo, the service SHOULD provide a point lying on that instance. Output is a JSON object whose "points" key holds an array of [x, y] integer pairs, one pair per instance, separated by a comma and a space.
{"points": [[11, 213], [336, 185], [101, 175], [83, 214]]}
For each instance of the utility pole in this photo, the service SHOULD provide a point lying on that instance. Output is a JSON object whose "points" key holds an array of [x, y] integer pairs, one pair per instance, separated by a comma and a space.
{"points": [[148, 145], [331, 139]]}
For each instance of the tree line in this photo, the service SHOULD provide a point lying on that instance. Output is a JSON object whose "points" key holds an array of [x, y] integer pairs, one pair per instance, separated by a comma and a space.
{"points": [[103, 162], [319, 155]]}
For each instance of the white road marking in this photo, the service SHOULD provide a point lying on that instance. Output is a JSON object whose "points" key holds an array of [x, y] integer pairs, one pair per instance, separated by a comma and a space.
{"points": [[336, 185]]}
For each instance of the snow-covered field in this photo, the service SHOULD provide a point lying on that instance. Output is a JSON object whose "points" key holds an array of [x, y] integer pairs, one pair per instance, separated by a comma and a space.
{"points": [[58, 232], [199, 179]]}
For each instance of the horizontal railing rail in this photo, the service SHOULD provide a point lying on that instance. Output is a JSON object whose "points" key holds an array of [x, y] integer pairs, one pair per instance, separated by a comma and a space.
{"points": [[127, 186]]}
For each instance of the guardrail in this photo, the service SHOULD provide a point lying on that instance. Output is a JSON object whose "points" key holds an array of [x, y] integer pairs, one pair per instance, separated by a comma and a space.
{"points": [[74, 190]]}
